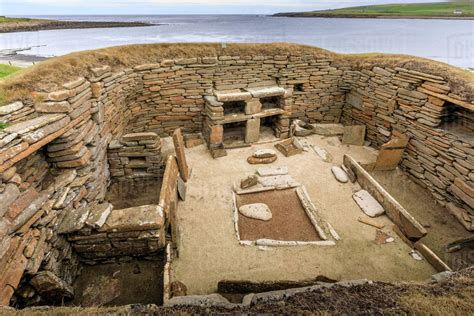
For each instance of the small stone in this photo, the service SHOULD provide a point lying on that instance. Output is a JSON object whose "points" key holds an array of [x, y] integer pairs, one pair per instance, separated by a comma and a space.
{"points": [[340, 175], [248, 182], [258, 211], [264, 153], [322, 153], [368, 204], [416, 255]]}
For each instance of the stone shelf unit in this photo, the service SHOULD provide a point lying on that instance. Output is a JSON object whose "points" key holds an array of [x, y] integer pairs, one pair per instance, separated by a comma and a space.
{"points": [[248, 105]]}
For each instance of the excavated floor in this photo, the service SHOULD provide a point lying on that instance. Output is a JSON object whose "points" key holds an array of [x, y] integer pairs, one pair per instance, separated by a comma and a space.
{"points": [[114, 284], [209, 251], [442, 227]]}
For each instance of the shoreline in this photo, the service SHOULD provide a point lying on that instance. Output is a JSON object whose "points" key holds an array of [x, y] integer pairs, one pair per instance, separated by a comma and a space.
{"points": [[44, 25], [361, 16]]}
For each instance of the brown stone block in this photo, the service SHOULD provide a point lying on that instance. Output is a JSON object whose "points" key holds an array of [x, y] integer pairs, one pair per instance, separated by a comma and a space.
{"points": [[216, 134], [21, 203]]}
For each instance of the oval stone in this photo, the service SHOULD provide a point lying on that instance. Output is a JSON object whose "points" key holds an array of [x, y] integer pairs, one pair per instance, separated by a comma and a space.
{"points": [[258, 211], [340, 175]]}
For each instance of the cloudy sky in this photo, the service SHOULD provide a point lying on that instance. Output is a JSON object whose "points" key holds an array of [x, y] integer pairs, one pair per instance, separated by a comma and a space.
{"points": [[51, 7]]}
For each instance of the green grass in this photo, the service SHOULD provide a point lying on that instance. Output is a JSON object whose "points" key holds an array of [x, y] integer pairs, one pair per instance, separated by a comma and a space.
{"points": [[439, 9], [4, 19], [6, 70]]}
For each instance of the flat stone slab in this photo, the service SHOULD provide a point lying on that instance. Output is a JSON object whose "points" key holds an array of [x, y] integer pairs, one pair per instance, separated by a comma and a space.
{"points": [[232, 95], [277, 181], [322, 153], [328, 129], [272, 171], [98, 215], [368, 204], [354, 135], [256, 161], [146, 217], [339, 174], [139, 136], [264, 153], [263, 92], [258, 211]]}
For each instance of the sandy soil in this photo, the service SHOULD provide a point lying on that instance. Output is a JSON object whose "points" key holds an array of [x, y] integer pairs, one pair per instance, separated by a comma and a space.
{"points": [[113, 284], [442, 227], [289, 220], [209, 251]]}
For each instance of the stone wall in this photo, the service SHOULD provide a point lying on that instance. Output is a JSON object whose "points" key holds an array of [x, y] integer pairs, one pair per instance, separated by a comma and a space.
{"points": [[440, 151], [57, 152]]}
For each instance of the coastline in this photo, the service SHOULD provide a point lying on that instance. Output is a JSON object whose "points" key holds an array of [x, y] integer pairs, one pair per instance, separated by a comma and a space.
{"points": [[42, 25], [362, 16]]}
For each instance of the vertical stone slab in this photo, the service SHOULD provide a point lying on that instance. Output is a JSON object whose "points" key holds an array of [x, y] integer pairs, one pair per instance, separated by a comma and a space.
{"points": [[252, 131], [178, 141], [391, 153], [216, 135], [354, 135]]}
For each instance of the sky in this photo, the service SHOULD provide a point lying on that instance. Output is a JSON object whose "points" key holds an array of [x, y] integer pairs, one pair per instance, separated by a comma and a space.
{"points": [[150, 7]]}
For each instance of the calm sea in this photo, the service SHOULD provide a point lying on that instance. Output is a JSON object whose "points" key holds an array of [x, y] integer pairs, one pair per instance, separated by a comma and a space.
{"points": [[450, 41]]}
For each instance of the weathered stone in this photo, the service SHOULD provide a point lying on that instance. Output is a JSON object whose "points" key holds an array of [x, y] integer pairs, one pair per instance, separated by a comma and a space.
{"points": [[466, 187], [258, 211], [264, 92], [98, 215], [272, 171], [253, 107], [10, 108], [139, 136], [322, 153], [146, 217], [51, 287], [354, 135], [301, 128], [30, 125], [232, 95], [328, 129], [21, 203], [252, 131], [74, 220], [391, 153], [7, 197], [277, 181], [40, 133], [180, 154], [264, 153], [54, 107], [368, 204], [339, 174], [248, 182]]}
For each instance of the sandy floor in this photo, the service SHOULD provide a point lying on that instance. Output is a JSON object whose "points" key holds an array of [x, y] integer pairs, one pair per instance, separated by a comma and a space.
{"points": [[209, 251]]}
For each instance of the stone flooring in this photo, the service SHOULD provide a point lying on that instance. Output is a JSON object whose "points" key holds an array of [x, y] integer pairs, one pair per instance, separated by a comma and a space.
{"points": [[209, 251]]}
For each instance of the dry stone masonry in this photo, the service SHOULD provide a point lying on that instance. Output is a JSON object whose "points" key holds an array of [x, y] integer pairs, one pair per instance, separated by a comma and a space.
{"points": [[61, 148]]}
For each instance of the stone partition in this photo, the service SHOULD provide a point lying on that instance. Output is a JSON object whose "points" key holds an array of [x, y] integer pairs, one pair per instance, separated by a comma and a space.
{"points": [[59, 149]]}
